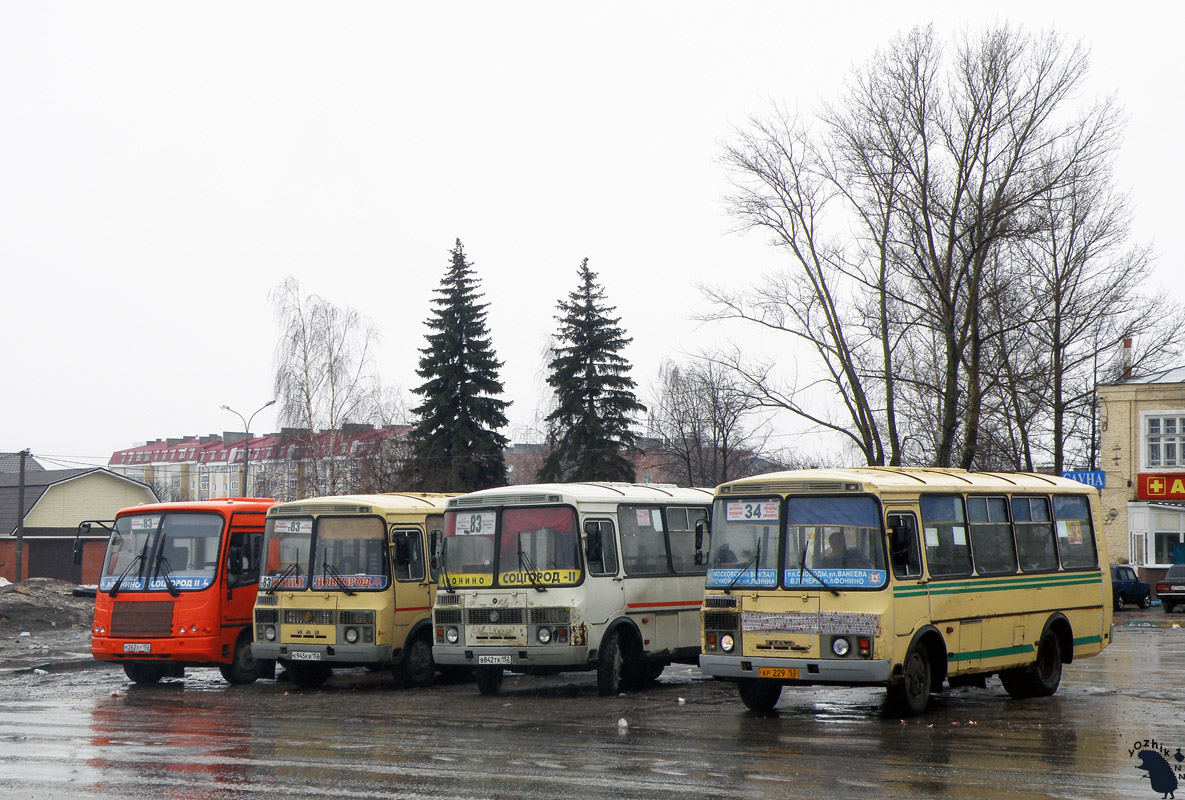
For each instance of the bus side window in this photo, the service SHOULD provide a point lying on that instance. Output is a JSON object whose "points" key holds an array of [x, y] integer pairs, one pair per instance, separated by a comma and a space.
{"points": [[602, 558], [904, 552], [409, 556], [244, 555]]}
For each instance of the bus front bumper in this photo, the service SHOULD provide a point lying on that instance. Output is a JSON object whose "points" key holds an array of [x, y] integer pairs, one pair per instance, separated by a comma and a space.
{"points": [[529, 656], [336, 654], [853, 672]]}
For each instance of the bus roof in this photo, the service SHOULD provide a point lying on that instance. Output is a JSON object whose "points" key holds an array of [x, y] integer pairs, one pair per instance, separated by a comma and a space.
{"points": [[222, 505], [542, 493], [391, 502], [898, 479]]}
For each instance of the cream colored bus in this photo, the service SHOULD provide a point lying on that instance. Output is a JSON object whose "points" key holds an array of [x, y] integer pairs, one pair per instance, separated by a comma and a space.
{"points": [[345, 584], [905, 578], [580, 576]]}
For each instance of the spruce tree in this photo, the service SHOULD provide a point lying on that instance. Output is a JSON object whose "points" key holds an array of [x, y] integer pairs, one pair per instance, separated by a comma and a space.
{"points": [[589, 431], [456, 445]]}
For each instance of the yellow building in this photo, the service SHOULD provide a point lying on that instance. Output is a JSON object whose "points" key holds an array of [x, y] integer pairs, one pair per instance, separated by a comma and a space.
{"points": [[1142, 451]]}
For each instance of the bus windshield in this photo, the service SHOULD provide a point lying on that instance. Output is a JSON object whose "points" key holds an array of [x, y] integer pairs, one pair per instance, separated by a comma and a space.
{"points": [[834, 543], [536, 547], [287, 543], [350, 554], [150, 552], [744, 542]]}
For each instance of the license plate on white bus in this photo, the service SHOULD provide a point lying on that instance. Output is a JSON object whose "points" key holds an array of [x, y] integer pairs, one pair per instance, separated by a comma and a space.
{"points": [[137, 647], [493, 659], [780, 673], [301, 655]]}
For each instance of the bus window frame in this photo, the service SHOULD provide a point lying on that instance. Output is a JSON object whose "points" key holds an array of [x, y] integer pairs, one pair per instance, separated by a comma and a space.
{"points": [[384, 558], [917, 562], [608, 538], [409, 532]]}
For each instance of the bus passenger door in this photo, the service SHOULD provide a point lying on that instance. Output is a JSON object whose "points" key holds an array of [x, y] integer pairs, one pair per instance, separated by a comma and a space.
{"points": [[911, 595]]}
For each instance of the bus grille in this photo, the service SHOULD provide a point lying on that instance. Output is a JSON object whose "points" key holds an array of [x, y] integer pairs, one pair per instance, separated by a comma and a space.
{"points": [[266, 616], [504, 500], [267, 600], [551, 616], [720, 601], [501, 616], [721, 621], [448, 616], [355, 618], [308, 616], [150, 618], [448, 599]]}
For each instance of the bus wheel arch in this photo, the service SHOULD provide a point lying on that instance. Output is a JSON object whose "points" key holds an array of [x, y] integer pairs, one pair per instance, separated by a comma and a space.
{"points": [[1042, 677], [921, 673], [243, 668], [417, 667]]}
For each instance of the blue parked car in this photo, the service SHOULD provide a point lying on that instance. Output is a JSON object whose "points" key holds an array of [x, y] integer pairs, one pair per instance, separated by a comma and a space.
{"points": [[1128, 588]]}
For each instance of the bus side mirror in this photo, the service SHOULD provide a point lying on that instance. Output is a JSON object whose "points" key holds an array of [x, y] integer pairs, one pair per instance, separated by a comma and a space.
{"points": [[402, 554], [434, 549], [700, 527], [77, 551], [592, 542]]}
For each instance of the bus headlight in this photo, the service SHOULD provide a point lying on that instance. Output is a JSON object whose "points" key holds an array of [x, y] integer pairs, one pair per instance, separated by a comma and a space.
{"points": [[351, 635], [841, 647], [727, 643], [544, 635], [452, 635], [269, 633]]}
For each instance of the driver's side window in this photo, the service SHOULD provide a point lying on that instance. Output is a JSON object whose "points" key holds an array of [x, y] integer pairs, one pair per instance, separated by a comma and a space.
{"points": [[602, 560], [905, 553], [408, 553]]}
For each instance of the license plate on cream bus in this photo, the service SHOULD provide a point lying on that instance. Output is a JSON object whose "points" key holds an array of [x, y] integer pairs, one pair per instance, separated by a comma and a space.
{"points": [[137, 647], [493, 659], [304, 655], [780, 673]]}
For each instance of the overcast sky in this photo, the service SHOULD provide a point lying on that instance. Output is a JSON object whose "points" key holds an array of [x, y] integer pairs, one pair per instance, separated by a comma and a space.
{"points": [[163, 166]]}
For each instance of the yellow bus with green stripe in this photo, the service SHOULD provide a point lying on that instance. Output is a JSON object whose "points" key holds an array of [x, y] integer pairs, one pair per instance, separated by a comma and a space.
{"points": [[912, 579]]}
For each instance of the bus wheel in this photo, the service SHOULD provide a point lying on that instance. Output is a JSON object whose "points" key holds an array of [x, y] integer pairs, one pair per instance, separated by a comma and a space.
{"points": [[758, 694], [143, 674], [609, 665], [308, 675], [1043, 677], [243, 667], [418, 666], [911, 696], [489, 680]]}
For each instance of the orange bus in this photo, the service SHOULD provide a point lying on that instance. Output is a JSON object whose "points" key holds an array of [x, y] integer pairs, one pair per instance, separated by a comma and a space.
{"points": [[177, 589]]}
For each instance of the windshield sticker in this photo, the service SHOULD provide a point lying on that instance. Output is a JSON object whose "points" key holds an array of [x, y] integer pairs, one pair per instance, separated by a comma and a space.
{"points": [[931, 537], [294, 526], [837, 578], [145, 523], [764, 512], [350, 582], [466, 579], [278, 582], [725, 577], [526, 578], [158, 584], [476, 524], [643, 515]]}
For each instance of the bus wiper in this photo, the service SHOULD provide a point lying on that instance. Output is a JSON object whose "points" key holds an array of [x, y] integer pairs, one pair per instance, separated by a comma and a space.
{"points": [[275, 581], [114, 590], [754, 560], [532, 573], [161, 561], [448, 582], [802, 566], [331, 571]]}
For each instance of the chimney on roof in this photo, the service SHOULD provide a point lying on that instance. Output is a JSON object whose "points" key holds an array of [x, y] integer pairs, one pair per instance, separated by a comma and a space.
{"points": [[232, 437], [1127, 358], [172, 441], [354, 428]]}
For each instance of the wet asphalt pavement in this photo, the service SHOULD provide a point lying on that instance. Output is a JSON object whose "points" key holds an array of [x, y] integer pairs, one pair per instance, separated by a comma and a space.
{"points": [[90, 733]]}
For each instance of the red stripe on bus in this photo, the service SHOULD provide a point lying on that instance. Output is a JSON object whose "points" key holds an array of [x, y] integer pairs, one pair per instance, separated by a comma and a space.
{"points": [[420, 608]]}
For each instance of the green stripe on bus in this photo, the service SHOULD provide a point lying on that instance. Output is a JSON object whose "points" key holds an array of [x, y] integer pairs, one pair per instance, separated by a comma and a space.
{"points": [[998, 585], [994, 653], [1088, 640]]}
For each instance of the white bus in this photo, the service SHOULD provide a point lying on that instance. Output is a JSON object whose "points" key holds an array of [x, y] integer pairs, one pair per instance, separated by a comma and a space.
{"points": [[559, 577]]}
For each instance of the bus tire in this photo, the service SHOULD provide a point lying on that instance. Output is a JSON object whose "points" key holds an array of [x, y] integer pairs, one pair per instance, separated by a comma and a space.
{"points": [[911, 696], [143, 674], [243, 668], [489, 680], [308, 675], [1040, 679], [418, 667], [609, 665], [758, 694]]}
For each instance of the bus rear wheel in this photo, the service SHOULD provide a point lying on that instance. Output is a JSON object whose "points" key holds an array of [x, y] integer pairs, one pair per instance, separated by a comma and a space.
{"points": [[609, 665], [1043, 677], [308, 675], [243, 668], [143, 674], [758, 694], [911, 696], [489, 680]]}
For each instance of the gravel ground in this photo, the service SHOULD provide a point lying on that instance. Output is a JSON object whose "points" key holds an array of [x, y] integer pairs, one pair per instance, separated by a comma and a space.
{"points": [[41, 621]]}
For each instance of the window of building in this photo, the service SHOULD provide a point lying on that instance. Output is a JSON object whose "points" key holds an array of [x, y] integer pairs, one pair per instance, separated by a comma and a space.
{"points": [[1164, 438], [1168, 538]]}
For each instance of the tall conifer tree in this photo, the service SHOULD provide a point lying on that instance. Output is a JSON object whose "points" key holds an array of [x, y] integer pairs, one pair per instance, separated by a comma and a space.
{"points": [[456, 444], [589, 431]]}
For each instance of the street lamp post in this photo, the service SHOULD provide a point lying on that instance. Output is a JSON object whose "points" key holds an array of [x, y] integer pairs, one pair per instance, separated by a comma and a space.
{"points": [[246, 440]]}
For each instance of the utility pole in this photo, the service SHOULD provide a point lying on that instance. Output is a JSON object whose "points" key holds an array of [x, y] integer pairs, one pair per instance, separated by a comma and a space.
{"points": [[20, 520], [246, 440]]}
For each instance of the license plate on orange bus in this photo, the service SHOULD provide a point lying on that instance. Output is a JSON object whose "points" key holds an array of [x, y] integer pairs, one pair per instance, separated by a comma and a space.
{"points": [[779, 673], [137, 647]]}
